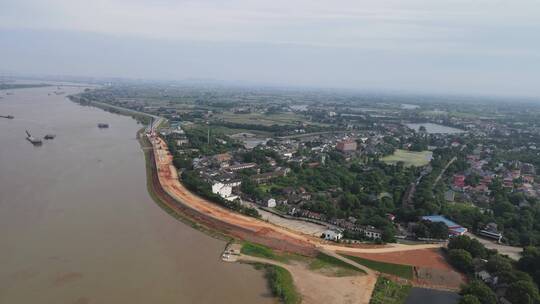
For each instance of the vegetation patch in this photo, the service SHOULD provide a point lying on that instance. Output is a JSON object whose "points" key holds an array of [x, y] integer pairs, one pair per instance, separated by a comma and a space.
{"points": [[409, 158], [404, 271], [324, 262], [389, 292], [263, 119], [282, 285], [261, 251]]}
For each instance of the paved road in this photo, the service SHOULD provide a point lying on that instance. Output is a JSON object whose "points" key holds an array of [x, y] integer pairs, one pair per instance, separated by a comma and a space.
{"points": [[513, 252]]}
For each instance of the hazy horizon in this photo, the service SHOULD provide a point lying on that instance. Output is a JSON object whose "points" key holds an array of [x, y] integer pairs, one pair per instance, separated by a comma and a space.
{"points": [[448, 47]]}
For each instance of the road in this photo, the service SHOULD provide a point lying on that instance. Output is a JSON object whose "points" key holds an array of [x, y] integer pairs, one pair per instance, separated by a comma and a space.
{"points": [[168, 178], [512, 252]]}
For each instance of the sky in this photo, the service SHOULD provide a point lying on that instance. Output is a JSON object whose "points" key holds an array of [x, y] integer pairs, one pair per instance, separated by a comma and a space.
{"points": [[436, 46]]}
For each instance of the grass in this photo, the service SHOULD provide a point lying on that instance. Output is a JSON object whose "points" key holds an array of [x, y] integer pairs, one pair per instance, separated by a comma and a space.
{"points": [[229, 131], [281, 283], [262, 251], [262, 119], [388, 292], [323, 261], [409, 158], [404, 271]]}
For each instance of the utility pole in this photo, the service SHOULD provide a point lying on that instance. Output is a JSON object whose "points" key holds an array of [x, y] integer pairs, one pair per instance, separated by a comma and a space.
{"points": [[208, 133]]}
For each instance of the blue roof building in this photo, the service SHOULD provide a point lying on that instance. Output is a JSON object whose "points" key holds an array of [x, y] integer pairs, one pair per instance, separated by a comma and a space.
{"points": [[453, 228]]}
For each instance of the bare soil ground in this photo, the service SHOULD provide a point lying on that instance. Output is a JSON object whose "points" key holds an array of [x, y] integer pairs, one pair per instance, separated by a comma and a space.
{"points": [[438, 278], [431, 258], [316, 287], [430, 268]]}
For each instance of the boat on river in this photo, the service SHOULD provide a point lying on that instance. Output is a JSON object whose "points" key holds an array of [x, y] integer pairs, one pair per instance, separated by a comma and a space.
{"points": [[34, 140]]}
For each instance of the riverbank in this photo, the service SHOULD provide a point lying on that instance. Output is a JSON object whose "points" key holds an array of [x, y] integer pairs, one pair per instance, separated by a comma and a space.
{"points": [[96, 236], [175, 199], [157, 195], [325, 278], [141, 117], [169, 193]]}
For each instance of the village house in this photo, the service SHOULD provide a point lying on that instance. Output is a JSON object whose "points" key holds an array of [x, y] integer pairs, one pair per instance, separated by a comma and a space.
{"points": [[332, 235]]}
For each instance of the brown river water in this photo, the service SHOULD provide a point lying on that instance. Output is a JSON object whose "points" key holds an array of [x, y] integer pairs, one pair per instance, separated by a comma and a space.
{"points": [[78, 226]]}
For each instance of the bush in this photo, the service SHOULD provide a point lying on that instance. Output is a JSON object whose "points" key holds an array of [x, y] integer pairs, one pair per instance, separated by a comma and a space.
{"points": [[523, 292], [281, 283], [461, 259], [481, 291], [260, 251], [473, 246], [469, 299]]}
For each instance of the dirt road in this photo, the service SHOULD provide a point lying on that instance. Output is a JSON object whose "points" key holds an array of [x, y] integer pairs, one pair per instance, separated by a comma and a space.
{"points": [[512, 252], [168, 179]]}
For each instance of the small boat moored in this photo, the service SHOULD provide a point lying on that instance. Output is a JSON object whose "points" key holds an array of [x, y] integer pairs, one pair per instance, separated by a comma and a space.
{"points": [[103, 125], [35, 141]]}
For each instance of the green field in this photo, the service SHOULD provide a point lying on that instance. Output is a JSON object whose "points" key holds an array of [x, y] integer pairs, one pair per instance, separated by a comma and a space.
{"points": [[388, 292], [323, 261], [225, 130], [409, 158], [262, 119], [404, 271], [261, 251]]}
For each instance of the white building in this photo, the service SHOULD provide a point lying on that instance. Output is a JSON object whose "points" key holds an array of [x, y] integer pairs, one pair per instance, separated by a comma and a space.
{"points": [[332, 235], [271, 203], [222, 190], [372, 233]]}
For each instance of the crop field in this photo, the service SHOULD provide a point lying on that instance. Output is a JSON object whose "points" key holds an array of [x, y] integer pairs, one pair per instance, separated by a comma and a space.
{"points": [[409, 158], [262, 119], [389, 292]]}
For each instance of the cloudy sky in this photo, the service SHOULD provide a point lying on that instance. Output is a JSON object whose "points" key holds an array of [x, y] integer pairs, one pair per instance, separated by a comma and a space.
{"points": [[449, 46]]}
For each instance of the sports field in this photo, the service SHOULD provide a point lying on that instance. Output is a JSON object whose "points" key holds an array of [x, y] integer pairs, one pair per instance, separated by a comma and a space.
{"points": [[409, 158]]}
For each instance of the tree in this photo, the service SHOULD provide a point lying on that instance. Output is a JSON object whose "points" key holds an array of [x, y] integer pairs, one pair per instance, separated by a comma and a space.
{"points": [[461, 259], [497, 264], [439, 231], [476, 249], [472, 180], [523, 292], [473, 246], [460, 242], [469, 299], [530, 262], [481, 291], [388, 234]]}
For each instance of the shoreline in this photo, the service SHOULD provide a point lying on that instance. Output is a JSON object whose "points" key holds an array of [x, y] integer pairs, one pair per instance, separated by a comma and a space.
{"points": [[219, 222], [217, 227], [213, 225]]}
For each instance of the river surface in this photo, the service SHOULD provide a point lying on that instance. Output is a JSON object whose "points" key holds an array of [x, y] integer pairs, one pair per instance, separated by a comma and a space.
{"points": [[78, 226]]}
